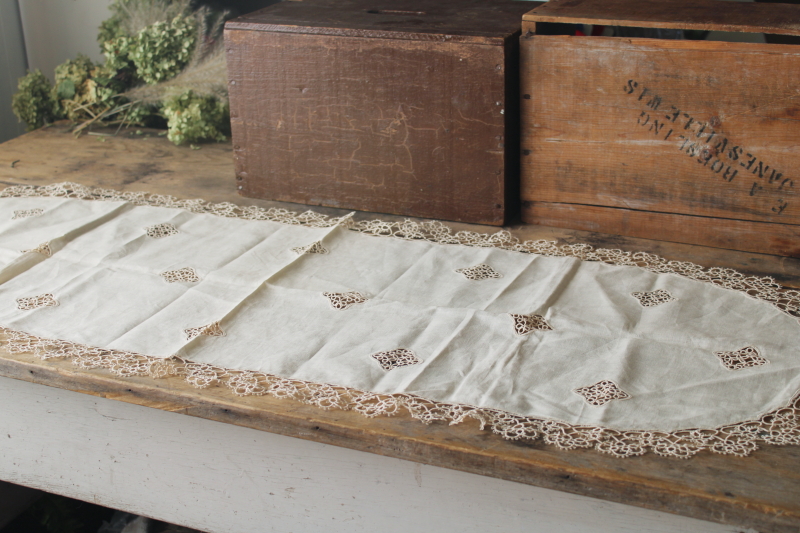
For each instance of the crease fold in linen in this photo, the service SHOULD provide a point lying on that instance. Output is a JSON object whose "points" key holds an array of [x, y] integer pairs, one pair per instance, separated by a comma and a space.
{"points": [[266, 301]]}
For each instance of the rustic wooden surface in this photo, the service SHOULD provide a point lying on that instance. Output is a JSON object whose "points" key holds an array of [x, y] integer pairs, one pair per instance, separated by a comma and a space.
{"points": [[222, 478], [707, 129], [779, 18], [377, 123], [761, 491], [472, 21]]}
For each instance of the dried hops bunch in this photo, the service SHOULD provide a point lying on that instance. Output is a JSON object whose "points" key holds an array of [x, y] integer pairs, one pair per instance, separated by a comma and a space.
{"points": [[33, 102], [84, 88], [192, 117], [163, 61], [161, 50]]}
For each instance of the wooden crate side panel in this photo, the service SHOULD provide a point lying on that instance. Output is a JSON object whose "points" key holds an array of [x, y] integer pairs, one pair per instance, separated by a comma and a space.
{"points": [[779, 17], [709, 129], [758, 237], [401, 127]]}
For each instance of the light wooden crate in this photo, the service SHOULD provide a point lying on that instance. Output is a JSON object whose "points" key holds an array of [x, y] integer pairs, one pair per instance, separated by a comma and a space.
{"points": [[685, 141]]}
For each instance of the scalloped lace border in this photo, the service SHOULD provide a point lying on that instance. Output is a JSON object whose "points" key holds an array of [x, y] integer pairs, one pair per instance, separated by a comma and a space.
{"points": [[779, 427]]}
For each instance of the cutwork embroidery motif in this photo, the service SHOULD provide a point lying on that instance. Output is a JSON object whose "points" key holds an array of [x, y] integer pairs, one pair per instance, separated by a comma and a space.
{"points": [[313, 248], [479, 272], [344, 300], [183, 274], [524, 324], [211, 330], [743, 358], [602, 392], [43, 249], [161, 230], [25, 213], [396, 358], [35, 302], [653, 298]]}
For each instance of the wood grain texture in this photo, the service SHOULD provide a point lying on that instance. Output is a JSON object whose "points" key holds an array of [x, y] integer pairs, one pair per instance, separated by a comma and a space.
{"points": [[222, 478], [408, 127], [761, 491], [779, 18], [756, 237], [683, 127], [469, 21]]}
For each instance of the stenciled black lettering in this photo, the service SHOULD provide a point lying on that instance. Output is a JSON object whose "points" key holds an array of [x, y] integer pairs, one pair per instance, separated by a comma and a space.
{"points": [[715, 168], [728, 175], [734, 153], [700, 132], [645, 90], [749, 164], [654, 102], [775, 176], [705, 156], [632, 85], [691, 121], [721, 145], [656, 126], [646, 120], [668, 134], [760, 169], [784, 182], [755, 187], [674, 115], [781, 206]]}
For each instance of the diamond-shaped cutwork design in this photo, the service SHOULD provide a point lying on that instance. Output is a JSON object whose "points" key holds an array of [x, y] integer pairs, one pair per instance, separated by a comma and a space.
{"points": [[43, 249], [479, 272], [396, 358], [602, 392], [313, 248], [160, 231], [524, 324], [653, 298], [35, 302], [182, 274], [744, 358], [25, 213], [211, 330], [344, 300]]}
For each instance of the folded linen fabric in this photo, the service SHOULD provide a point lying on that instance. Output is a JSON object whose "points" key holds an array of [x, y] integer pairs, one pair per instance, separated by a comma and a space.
{"points": [[624, 352]]}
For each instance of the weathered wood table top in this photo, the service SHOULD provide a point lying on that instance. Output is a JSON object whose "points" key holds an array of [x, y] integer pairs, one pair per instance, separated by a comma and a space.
{"points": [[761, 491]]}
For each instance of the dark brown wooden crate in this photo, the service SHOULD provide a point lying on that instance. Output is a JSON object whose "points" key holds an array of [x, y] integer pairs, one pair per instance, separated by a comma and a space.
{"points": [[405, 107], [688, 141]]}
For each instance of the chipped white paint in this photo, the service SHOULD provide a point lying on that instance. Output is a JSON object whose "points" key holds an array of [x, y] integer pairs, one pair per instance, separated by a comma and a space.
{"points": [[222, 478]]}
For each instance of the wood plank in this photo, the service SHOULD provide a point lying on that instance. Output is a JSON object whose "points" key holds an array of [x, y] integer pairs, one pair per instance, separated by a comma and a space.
{"points": [[695, 15], [761, 491], [223, 478], [758, 237], [466, 21], [663, 126], [147, 162], [409, 128]]}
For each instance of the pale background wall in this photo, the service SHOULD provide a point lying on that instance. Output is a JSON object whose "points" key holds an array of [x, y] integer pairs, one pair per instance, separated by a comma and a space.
{"points": [[42, 34], [12, 65]]}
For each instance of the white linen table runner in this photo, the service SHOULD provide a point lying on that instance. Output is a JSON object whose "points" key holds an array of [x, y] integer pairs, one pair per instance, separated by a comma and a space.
{"points": [[623, 352]]}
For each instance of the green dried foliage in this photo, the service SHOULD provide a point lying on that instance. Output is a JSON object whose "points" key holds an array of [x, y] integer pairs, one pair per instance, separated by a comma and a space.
{"points": [[161, 50], [192, 117], [85, 89], [34, 103], [117, 52]]}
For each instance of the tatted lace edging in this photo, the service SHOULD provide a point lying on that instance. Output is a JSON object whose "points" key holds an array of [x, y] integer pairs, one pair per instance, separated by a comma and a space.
{"points": [[778, 427], [757, 287]]}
